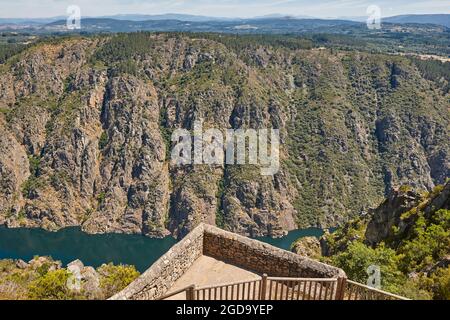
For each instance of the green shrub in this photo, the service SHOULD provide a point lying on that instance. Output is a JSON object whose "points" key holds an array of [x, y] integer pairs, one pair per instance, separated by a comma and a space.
{"points": [[7, 265], [413, 289], [51, 286], [30, 187], [441, 284], [101, 198], [358, 257], [116, 278], [35, 163], [103, 141], [405, 188], [429, 241], [34, 182], [42, 270]]}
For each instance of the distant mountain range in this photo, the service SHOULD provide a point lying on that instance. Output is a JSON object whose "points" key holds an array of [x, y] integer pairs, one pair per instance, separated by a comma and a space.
{"points": [[438, 19], [241, 26], [158, 17], [30, 21], [167, 16]]}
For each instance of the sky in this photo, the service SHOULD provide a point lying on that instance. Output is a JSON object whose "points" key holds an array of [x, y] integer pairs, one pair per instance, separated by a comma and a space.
{"points": [[221, 8]]}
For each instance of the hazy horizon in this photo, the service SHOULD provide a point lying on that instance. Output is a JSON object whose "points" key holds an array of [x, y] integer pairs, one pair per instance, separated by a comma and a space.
{"points": [[221, 8]]}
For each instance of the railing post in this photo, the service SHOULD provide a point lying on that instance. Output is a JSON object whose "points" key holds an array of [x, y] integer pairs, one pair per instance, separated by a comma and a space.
{"points": [[262, 289], [340, 290], [190, 293]]}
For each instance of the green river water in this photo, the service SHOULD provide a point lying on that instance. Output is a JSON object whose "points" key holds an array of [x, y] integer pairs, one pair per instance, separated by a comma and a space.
{"points": [[71, 243]]}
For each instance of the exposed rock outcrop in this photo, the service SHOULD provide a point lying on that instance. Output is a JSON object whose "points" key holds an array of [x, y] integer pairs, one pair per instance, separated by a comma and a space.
{"points": [[388, 215], [398, 213]]}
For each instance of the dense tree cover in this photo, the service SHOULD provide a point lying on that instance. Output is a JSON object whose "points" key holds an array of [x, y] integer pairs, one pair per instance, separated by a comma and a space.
{"points": [[123, 47], [436, 71], [9, 50], [123, 50], [11, 44], [357, 259], [242, 42]]}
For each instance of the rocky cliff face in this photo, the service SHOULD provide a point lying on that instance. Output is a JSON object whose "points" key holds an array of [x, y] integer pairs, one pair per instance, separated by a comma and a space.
{"points": [[389, 215], [85, 129], [393, 222]]}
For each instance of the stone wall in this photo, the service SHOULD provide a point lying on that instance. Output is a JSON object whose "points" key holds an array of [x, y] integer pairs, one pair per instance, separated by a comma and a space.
{"points": [[157, 280], [229, 247], [262, 258]]}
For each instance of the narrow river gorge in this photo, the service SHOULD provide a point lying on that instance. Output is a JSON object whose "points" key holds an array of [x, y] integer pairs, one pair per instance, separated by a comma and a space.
{"points": [[69, 244]]}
